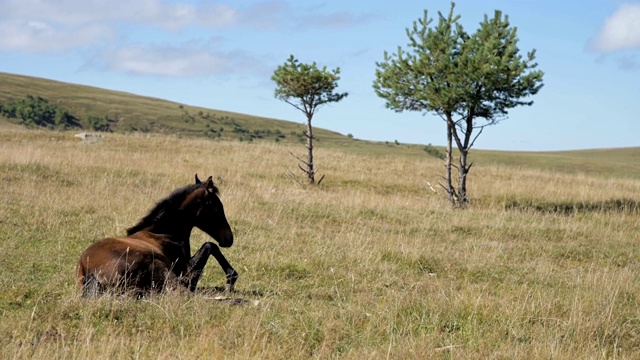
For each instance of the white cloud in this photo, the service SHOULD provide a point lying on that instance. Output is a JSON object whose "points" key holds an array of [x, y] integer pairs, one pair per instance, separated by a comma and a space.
{"points": [[337, 20], [39, 36], [168, 15], [186, 60], [266, 15], [65, 24], [37, 26], [621, 31], [128, 29]]}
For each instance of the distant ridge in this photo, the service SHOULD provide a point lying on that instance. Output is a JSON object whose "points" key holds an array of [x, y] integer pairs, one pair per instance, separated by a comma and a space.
{"points": [[129, 112]]}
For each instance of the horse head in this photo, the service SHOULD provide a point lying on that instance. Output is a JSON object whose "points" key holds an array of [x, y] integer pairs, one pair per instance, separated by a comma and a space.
{"points": [[209, 212]]}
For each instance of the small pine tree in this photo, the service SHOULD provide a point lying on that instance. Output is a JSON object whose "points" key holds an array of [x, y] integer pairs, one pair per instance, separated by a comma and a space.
{"points": [[307, 88]]}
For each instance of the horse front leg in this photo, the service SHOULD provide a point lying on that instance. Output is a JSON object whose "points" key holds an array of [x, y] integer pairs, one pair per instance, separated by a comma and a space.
{"points": [[199, 260], [196, 265], [232, 275]]}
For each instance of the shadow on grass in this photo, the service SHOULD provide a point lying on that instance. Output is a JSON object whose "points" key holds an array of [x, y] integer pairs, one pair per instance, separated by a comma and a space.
{"points": [[220, 290], [627, 206], [234, 297]]}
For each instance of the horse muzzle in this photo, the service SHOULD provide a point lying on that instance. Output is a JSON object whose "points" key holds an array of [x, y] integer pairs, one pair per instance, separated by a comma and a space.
{"points": [[225, 239]]}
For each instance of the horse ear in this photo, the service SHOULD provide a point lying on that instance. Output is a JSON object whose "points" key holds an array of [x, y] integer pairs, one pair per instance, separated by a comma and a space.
{"points": [[198, 180], [209, 184]]}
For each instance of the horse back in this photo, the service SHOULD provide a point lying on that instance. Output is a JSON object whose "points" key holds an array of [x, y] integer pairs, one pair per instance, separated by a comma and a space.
{"points": [[111, 260]]}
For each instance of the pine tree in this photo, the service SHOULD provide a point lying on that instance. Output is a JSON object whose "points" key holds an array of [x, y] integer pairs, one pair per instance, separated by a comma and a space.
{"points": [[307, 87], [470, 81]]}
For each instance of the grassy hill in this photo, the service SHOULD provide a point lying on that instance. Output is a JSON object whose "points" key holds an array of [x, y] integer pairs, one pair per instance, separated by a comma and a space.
{"points": [[617, 162], [128, 112]]}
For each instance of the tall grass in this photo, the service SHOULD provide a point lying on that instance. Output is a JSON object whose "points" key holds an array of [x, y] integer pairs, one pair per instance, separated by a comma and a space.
{"points": [[372, 264]]}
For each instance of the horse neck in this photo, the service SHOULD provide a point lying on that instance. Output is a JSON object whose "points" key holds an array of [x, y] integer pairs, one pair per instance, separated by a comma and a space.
{"points": [[170, 218], [176, 229]]}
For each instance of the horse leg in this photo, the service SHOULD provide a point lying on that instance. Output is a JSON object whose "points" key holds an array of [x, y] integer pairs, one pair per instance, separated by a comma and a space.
{"points": [[196, 265], [199, 260], [91, 287], [232, 275], [161, 277]]}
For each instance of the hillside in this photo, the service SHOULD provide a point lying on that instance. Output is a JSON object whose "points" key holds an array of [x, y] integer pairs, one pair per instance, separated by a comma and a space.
{"points": [[617, 162], [129, 112]]}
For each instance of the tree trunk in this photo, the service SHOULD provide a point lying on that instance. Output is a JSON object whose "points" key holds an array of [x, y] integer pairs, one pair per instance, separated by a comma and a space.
{"points": [[311, 173], [457, 198], [463, 170], [447, 165]]}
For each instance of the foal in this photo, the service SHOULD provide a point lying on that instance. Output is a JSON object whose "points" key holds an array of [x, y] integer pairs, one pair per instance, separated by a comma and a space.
{"points": [[156, 253]]}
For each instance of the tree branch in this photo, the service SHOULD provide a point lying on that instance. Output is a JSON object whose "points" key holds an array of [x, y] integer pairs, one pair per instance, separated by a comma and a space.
{"points": [[475, 137], [429, 184], [468, 168], [293, 176], [295, 105], [299, 159], [303, 169]]}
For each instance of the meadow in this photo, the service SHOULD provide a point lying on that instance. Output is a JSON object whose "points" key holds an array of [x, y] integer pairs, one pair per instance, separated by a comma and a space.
{"points": [[373, 264]]}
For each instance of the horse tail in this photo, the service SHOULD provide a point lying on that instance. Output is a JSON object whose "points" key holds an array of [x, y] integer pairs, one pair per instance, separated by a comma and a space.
{"points": [[81, 272], [88, 282]]}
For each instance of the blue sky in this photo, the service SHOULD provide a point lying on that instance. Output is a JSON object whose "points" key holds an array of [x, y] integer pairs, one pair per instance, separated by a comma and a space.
{"points": [[221, 55]]}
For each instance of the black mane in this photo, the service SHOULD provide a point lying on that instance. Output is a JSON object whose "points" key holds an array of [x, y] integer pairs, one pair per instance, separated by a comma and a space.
{"points": [[167, 205]]}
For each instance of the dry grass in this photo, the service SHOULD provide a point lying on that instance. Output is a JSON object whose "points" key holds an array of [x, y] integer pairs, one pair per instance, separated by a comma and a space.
{"points": [[371, 265]]}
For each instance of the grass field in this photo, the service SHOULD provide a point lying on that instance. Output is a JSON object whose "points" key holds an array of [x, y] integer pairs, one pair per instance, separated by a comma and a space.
{"points": [[373, 264]]}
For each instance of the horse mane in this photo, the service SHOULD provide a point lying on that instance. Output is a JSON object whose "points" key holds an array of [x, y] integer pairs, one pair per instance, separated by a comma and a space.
{"points": [[166, 205]]}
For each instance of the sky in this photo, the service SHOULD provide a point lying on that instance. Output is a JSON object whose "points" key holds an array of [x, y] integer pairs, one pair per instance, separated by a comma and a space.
{"points": [[222, 54]]}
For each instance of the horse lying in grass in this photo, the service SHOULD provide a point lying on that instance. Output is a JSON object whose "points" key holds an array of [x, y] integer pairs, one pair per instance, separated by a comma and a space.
{"points": [[156, 254]]}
